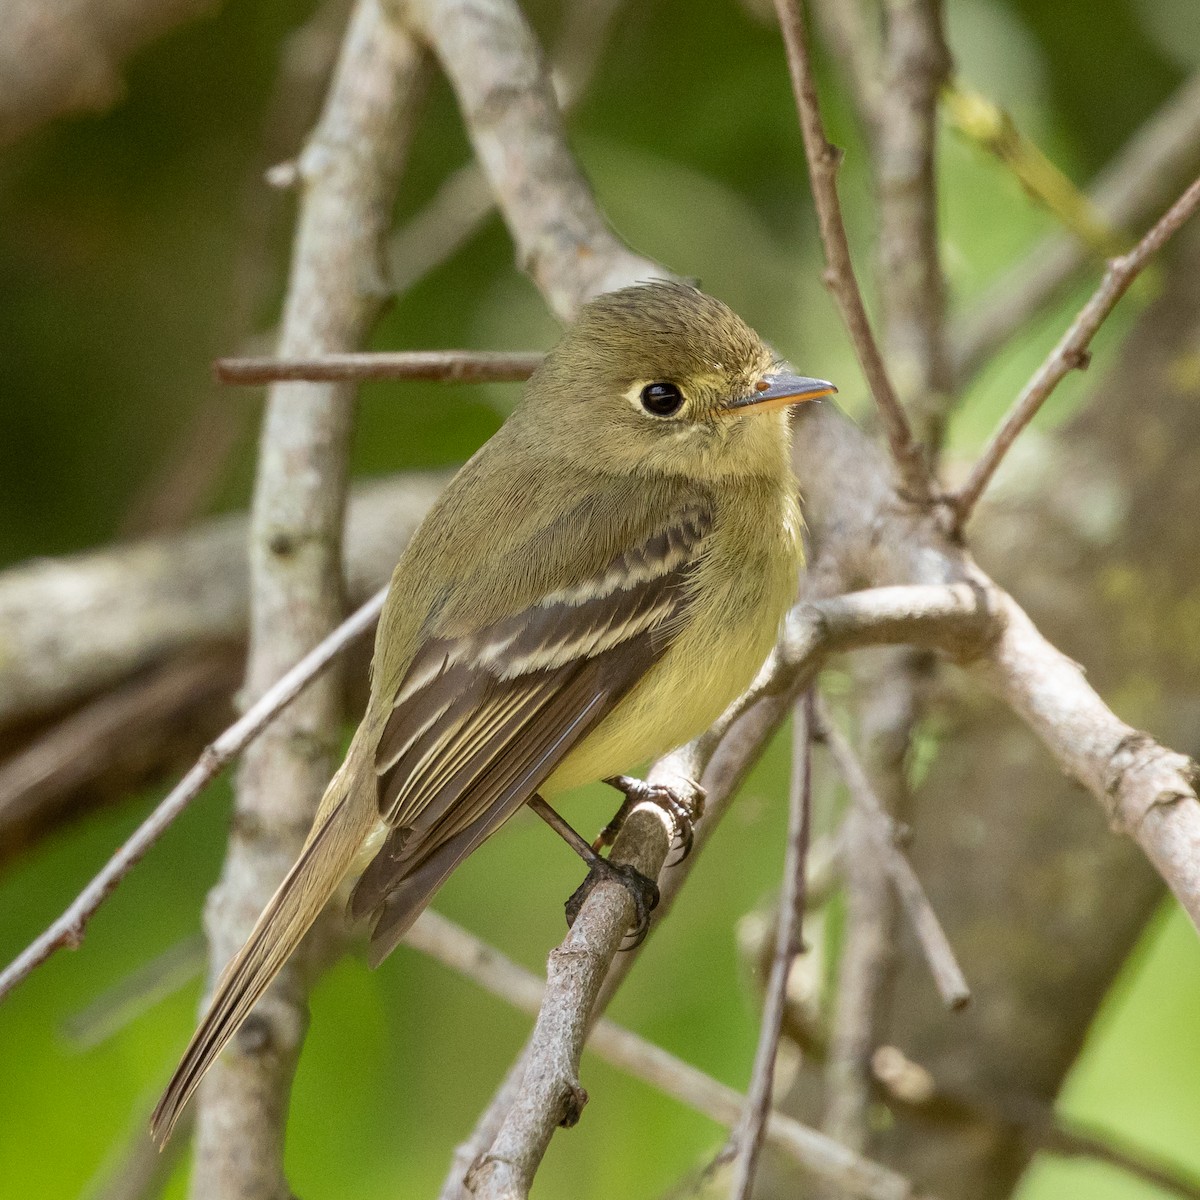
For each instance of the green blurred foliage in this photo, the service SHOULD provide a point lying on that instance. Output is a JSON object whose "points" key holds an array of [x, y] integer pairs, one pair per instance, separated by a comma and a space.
{"points": [[119, 236]]}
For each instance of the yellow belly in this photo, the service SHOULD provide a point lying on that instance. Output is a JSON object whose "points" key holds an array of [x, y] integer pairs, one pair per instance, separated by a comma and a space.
{"points": [[735, 622]]}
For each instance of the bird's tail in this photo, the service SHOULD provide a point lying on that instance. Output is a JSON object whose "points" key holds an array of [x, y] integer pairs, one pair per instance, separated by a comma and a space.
{"points": [[327, 856]]}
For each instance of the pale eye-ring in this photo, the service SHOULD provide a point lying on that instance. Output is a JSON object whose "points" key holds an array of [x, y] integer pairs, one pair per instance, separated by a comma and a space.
{"points": [[662, 398]]}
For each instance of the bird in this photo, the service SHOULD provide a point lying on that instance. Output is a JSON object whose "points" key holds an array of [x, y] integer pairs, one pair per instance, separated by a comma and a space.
{"points": [[593, 588]]}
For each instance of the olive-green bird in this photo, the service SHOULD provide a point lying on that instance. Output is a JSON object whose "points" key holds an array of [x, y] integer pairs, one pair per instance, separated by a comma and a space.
{"points": [[592, 589]]}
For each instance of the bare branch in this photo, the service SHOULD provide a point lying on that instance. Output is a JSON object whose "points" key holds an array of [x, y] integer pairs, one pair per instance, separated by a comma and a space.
{"points": [[943, 966], [550, 1093], [823, 160], [464, 201], [496, 68], [443, 366], [73, 626], [1148, 791], [747, 1139], [1150, 169], [1071, 353], [461, 951], [112, 742], [68, 930], [915, 65], [350, 171]]}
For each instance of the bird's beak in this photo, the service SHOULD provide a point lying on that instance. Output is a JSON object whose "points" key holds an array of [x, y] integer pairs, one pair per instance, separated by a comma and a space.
{"points": [[780, 391]]}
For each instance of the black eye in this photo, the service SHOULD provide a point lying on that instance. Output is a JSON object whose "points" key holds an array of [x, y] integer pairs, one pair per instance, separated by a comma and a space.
{"points": [[662, 399]]}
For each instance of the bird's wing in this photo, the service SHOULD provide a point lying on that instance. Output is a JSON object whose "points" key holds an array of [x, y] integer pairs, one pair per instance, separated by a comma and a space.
{"points": [[482, 719]]}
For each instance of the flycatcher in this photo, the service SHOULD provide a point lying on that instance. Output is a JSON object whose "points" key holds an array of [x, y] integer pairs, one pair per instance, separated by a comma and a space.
{"points": [[592, 589]]}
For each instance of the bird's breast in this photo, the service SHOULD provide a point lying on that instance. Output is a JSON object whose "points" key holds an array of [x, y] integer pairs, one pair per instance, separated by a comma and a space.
{"points": [[743, 587]]}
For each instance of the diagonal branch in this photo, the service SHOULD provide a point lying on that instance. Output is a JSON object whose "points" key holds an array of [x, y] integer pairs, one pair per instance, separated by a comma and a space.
{"points": [[550, 1094], [68, 930], [947, 974], [1153, 165], [461, 951], [1071, 353], [464, 201], [1147, 790], [497, 70]]}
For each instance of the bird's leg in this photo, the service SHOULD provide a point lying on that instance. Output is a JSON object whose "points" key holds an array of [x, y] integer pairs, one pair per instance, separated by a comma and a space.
{"points": [[643, 891], [682, 804]]}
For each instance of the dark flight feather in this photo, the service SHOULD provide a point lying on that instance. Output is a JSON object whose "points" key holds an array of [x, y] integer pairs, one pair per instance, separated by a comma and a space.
{"points": [[481, 721]]}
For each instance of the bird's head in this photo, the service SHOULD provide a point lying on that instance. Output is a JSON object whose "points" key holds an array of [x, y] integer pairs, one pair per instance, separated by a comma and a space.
{"points": [[663, 377]]}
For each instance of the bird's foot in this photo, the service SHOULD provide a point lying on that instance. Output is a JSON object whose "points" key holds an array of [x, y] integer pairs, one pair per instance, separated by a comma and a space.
{"points": [[683, 803], [643, 892]]}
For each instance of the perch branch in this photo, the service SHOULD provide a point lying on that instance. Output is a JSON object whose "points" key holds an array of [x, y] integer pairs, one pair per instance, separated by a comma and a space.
{"points": [[550, 1093], [464, 953]]}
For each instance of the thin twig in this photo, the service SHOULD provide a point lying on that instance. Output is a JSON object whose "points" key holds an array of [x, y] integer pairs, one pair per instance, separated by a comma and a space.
{"points": [[1071, 353], [823, 161], [68, 930], [461, 951], [441, 366], [133, 995], [1141, 178], [747, 1141], [889, 694], [943, 965]]}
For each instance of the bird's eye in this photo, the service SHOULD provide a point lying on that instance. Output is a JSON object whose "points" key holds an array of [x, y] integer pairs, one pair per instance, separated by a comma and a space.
{"points": [[662, 399]]}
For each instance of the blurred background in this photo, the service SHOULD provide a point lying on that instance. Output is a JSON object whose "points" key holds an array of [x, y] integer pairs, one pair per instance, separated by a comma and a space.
{"points": [[138, 243]]}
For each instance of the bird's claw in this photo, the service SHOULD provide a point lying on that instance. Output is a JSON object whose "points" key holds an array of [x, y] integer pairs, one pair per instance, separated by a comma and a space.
{"points": [[643, 892], [683, 809]]}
